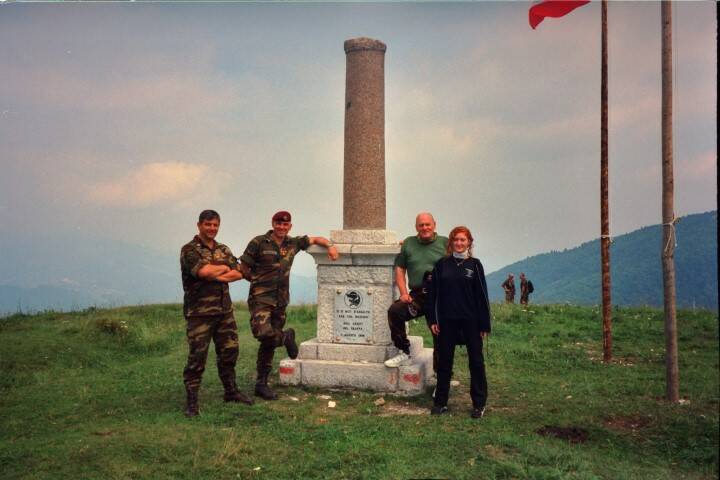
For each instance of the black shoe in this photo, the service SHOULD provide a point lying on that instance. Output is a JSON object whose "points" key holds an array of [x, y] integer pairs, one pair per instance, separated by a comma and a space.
{"points": [[289, 342], [263, 391], [238, 397], [438, 409], [192, 409], [477, 412]]}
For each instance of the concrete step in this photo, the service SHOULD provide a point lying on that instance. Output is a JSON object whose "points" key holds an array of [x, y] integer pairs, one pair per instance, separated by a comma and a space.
{"points": [[406, 380], [314, 350]]}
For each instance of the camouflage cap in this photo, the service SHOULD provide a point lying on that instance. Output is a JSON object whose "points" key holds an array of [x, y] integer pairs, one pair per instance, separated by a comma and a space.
{"points": [[282, 216]]}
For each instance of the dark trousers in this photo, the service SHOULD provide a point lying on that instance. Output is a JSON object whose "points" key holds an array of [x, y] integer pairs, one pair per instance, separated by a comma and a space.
{"points": [[220, 329], [448, 339], [266, 324], [400, 313]]}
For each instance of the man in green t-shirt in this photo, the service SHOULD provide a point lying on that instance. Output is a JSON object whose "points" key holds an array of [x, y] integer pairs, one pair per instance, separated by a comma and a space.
{"points": [[417, 256]]}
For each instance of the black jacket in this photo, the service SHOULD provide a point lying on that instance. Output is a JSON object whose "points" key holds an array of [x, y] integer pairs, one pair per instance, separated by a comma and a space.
{"points": [[434, 303]]}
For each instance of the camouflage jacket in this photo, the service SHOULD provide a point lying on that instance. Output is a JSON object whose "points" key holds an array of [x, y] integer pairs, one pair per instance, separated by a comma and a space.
{"points": [[203, 297], [267, 266], [509, 285]]}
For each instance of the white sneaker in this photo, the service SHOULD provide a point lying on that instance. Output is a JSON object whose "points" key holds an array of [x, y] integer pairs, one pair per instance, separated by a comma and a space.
{"points": [[398, 360]]}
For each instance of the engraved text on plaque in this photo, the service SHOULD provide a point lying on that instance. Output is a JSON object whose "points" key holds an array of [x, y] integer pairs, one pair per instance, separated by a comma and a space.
{"points": [[352, 317]]}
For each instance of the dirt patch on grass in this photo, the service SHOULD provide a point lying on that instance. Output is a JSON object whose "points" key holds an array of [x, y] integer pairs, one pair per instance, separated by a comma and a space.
{"points": [[571, 434], [628, 423], [391, 410], [495, 452], [508, 409], [594, 353]]}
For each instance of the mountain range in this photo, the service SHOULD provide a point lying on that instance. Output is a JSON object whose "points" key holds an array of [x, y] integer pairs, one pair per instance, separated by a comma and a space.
{"points": [[64, 273], [573, 275]]}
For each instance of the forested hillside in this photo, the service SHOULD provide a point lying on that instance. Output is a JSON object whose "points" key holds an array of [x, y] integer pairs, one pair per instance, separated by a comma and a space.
{"points": [[574, 275]]}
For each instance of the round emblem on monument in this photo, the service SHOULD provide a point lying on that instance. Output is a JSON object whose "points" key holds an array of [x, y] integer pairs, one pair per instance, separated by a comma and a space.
{"points": [[353, 299]]}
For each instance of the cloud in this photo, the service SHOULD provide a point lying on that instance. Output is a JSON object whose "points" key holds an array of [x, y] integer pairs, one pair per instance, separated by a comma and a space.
{"points": [[152, 183], [166, 92], [702, 166]]}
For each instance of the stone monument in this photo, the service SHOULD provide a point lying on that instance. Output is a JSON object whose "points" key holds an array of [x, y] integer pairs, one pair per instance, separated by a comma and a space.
{"points": [[355, 292]]}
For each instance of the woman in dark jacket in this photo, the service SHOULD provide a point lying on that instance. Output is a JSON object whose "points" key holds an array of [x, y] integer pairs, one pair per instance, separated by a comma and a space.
{"points": [[458, 311]]}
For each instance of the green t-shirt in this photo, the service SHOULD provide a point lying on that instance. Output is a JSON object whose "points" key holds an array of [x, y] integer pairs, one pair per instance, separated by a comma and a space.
{"points": [[417, 257]]}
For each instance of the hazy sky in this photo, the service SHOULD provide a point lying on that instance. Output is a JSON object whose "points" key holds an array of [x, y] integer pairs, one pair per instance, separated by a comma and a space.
{"points": [[125, 120]]}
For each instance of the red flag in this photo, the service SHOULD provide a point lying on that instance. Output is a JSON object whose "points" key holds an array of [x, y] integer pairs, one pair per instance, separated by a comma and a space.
{"points": [[552, 8]]}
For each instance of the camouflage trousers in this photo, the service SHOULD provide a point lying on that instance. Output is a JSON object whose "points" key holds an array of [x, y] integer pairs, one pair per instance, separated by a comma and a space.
{"points": [[222, 330], [524, 299], [510, 297], [266, 324]]}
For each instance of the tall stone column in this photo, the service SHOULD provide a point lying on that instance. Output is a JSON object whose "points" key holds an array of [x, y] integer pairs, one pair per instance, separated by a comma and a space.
{"points": [[364, 168], [355, 292]]}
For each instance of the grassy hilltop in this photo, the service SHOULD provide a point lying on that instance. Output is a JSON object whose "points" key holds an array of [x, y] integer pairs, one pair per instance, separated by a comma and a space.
{"points": [[98, 394]]}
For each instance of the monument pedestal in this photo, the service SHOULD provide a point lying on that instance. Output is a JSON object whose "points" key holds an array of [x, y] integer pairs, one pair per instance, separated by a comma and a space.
{"points": [[353, 337]]}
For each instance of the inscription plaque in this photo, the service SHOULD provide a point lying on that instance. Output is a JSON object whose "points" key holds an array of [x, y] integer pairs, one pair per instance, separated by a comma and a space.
{"points": [[352, 317]]}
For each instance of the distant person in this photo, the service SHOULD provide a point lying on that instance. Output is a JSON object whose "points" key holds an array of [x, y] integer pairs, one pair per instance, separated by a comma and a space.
{"points": [[417, 256], [459, 312], [526, 288], [509, 286], [266, 264], [207, 267]]}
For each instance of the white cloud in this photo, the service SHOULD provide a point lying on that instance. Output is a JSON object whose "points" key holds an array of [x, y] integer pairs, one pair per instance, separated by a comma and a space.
{"points": [[166, 93], [700, 167], [152, 183]]}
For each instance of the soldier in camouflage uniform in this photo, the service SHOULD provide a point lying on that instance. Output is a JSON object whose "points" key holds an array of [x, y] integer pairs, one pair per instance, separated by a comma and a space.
{"points": [[509, 286], [524, 289], [207, 266], [266, 263]]}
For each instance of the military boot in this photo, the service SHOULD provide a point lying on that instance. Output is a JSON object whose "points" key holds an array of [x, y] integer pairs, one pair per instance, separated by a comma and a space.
{"points": [[192, 409], [232, 394], [262, 389], [289, 343]]}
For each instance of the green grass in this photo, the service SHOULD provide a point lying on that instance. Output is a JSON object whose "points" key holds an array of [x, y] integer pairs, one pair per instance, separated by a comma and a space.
{"points": [[99, 394]]}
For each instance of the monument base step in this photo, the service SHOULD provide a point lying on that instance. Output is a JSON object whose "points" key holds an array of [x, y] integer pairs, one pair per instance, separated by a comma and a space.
{"points": [[347, 352], [405, 380]]}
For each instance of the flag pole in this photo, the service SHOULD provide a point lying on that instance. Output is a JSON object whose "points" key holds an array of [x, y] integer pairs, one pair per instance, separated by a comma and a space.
{"points": [[559, 8], [604, 207], [668, 213]]}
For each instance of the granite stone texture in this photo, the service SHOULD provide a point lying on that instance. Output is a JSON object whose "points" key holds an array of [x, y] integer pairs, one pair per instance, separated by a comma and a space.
{"points": [[411, 379], [330, 373], [353, 353], [364, 167], [405, 380], [316, 350], [354, 275], [290, 372], [365, 237], [359, 253]]}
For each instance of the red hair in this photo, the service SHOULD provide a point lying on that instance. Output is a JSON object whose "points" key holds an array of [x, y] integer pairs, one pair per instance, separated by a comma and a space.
{"points": [[453, 233]]}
